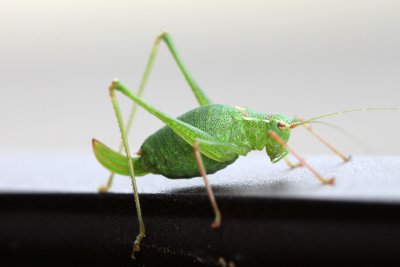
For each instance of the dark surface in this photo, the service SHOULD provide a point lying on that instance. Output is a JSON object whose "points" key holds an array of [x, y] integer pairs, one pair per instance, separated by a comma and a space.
{"points": [[94, 229]]}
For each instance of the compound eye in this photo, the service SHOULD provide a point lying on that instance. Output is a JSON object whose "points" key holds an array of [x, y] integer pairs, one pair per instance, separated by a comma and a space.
{"points": [[281, 125]]}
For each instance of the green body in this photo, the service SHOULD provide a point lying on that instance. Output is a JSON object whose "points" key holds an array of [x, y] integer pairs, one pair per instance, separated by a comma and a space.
{"points": [[166, 153]]}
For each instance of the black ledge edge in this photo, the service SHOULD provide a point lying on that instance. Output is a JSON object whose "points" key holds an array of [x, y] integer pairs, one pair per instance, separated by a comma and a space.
{"points": [[98, 229]]}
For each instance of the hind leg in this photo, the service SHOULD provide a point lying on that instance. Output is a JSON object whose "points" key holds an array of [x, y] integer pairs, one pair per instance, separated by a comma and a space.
{"points": [[201, 97], [141, 235]]}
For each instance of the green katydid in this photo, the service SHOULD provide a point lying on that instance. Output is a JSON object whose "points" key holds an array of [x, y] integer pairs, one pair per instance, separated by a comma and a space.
{"points": [[203, 140]]}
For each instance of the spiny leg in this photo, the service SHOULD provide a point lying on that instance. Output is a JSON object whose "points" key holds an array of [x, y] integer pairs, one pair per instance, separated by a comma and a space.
{"points": [[141, 235], [203, 142], [201, 97], [218, 151], [326, 143], [276, 137], [323, 141], [211, 197]]}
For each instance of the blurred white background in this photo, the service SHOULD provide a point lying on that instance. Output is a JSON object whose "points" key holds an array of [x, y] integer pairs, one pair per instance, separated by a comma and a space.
{"points": [[303, 58]]}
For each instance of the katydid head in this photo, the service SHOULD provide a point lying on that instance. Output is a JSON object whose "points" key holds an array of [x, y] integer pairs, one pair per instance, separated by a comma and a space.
{"points": [[280, 125]]}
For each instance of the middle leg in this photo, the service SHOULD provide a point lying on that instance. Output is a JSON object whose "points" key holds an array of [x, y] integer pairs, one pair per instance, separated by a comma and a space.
{"points": [[211, 197]]}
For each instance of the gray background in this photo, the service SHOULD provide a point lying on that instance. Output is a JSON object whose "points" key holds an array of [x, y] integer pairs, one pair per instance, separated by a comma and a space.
{"points": [[304, 58]]}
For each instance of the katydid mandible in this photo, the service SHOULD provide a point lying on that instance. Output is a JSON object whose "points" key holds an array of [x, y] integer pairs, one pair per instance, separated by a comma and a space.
{"points": [[200, 142]]}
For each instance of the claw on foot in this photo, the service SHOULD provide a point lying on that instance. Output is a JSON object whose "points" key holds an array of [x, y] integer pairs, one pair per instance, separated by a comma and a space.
{"points": [[348, 158], [216, 224], [136, 248], [292, 165], [295, 165], [103, 189], [330, 181]]}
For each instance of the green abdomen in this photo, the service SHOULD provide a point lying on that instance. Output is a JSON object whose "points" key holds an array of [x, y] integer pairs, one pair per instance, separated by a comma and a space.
{"points": [[166, 153]]}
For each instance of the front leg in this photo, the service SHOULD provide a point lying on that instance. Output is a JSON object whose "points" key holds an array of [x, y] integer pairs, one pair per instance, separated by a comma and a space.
{"points": [[279, 140], [292, 165]]}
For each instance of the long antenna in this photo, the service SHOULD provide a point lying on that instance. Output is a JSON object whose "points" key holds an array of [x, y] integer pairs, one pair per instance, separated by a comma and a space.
{"points": [[348, 134], [298, 123]]}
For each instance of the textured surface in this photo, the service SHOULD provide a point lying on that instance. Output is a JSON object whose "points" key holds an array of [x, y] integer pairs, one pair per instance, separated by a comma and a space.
{"points": [[364, 177], [98, 230], [272, 216]]}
